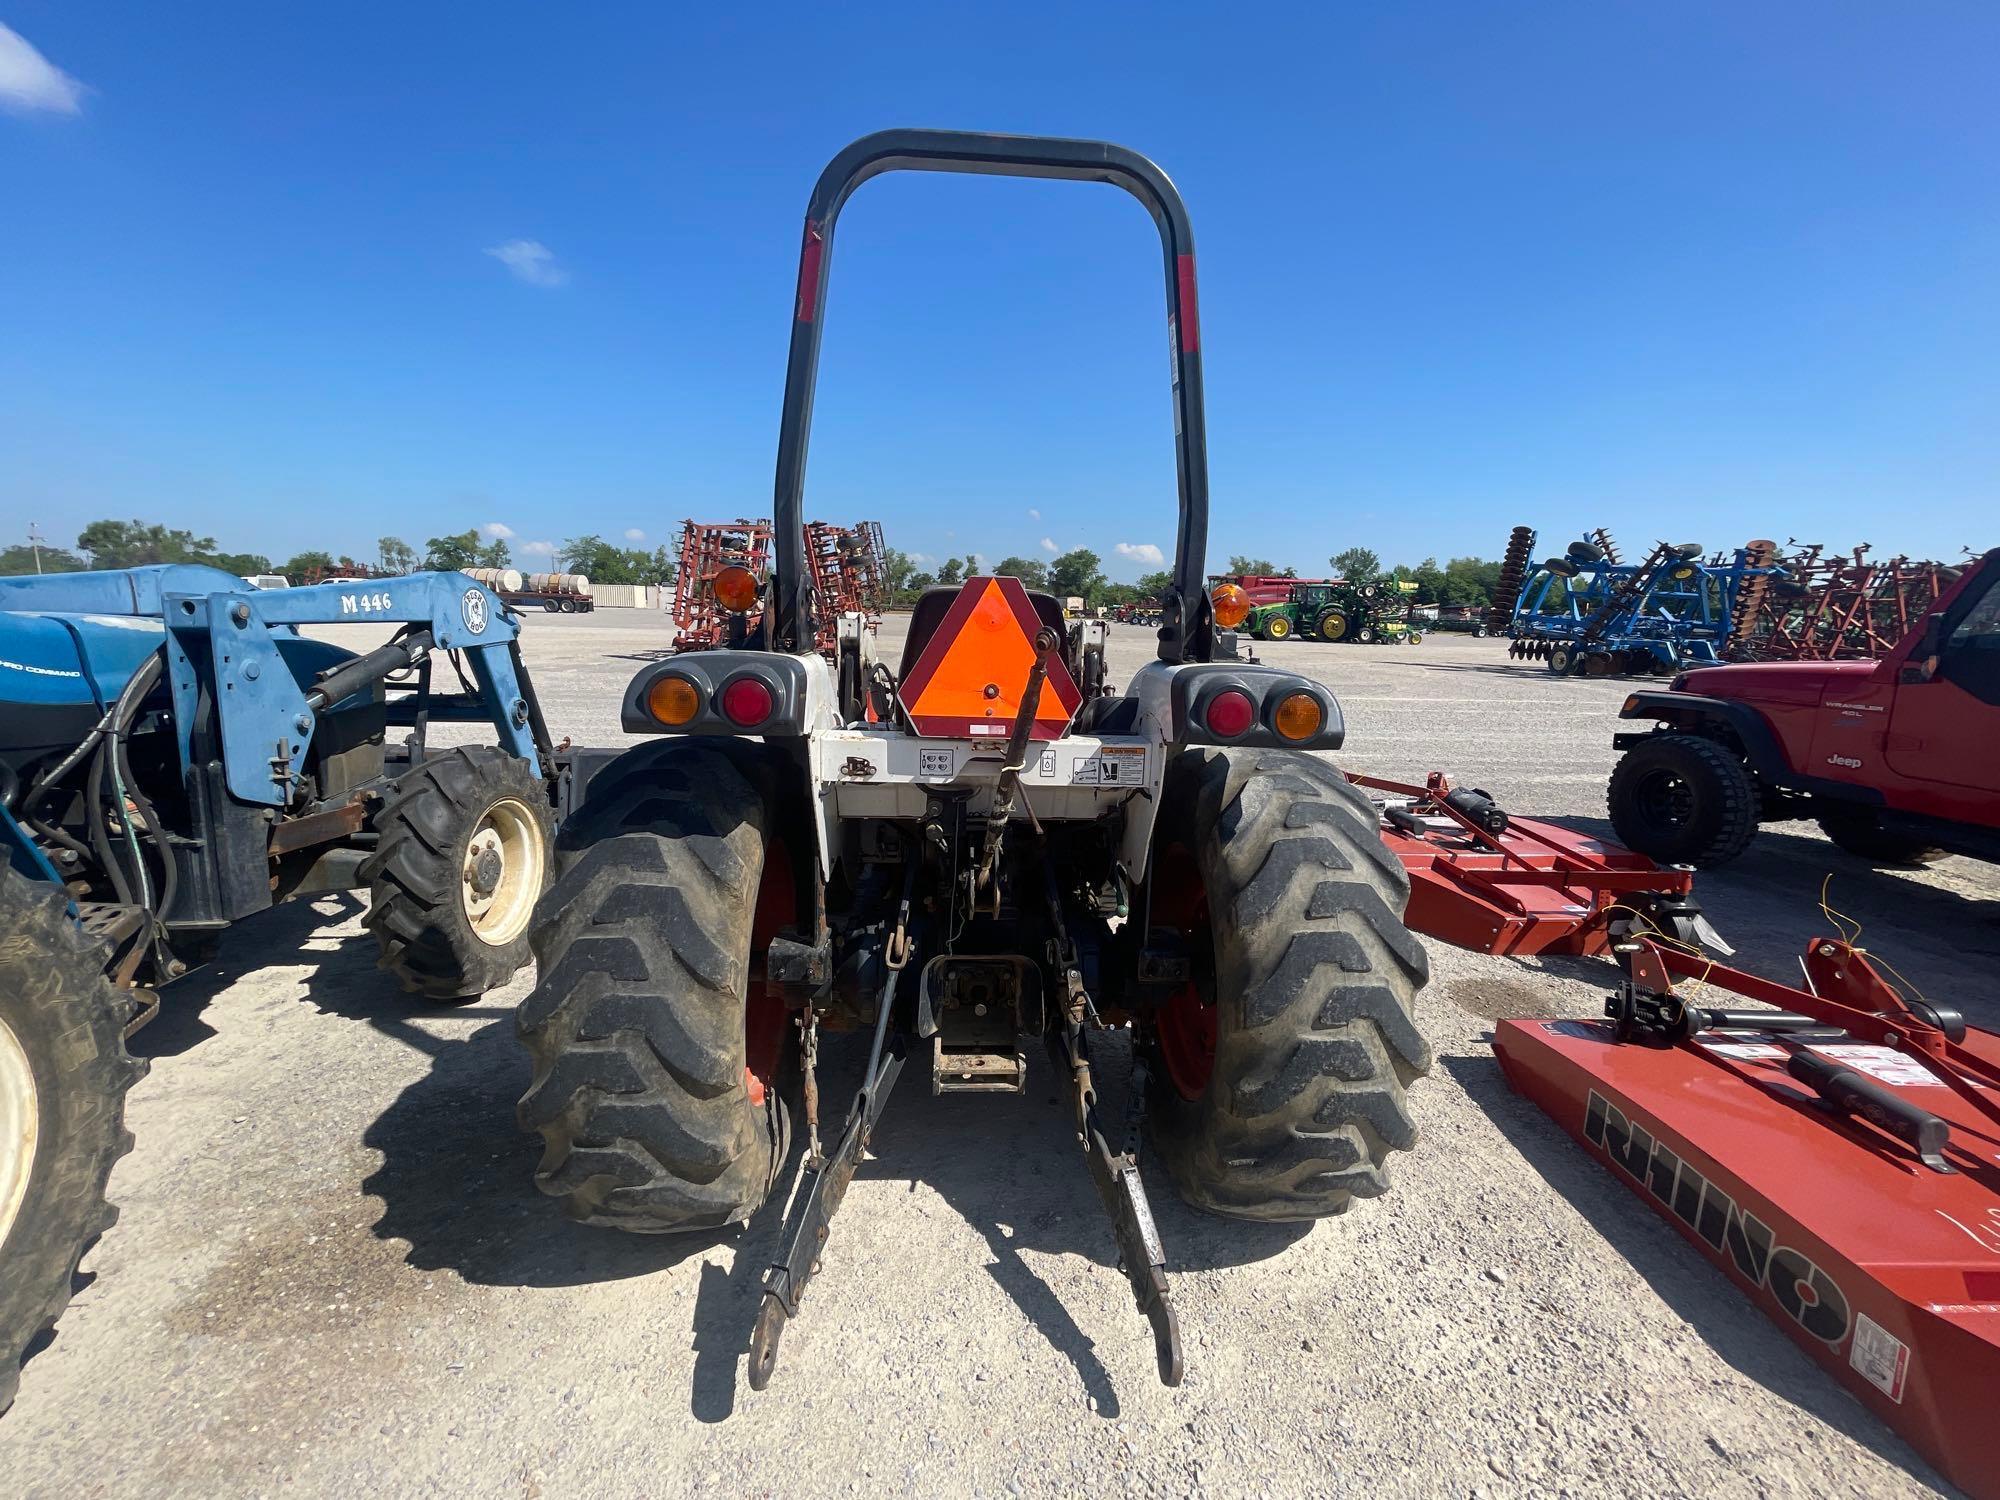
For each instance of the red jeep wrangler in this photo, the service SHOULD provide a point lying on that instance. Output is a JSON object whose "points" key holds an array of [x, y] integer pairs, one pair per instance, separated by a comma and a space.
{"points": [[1898, 759]]}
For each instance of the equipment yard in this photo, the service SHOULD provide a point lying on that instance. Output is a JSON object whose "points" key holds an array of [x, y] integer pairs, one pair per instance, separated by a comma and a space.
{"points": [[333, 1273]]}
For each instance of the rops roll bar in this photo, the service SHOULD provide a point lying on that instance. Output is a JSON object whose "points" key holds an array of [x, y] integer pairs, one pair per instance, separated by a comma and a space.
{"points": [[1186, 631]]}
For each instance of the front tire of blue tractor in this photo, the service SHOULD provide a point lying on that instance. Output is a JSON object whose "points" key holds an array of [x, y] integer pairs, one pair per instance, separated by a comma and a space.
{"points": [[662, 1059], [465, 849], [1276, 1076], [64, 1074]]}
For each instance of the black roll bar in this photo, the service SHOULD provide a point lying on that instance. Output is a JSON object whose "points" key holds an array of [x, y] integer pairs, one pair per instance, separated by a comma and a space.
{"points": [[1186, 632]]}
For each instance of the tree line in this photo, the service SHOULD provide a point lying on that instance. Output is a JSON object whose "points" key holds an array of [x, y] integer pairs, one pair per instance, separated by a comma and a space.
{"points": [[136, 543], [1462, 580], [1079, 573]]}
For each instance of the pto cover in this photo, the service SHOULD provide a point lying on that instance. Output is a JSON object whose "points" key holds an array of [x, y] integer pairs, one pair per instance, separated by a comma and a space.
{"points": [[971, 675]]}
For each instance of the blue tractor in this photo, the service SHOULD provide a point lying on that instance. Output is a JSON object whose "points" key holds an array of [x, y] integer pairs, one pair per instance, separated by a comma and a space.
{"points": [[174, 757], [1587, 613]]}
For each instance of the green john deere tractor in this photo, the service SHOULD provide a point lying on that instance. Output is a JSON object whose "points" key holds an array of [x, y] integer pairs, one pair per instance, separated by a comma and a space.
{"points": [[1312, 610]]}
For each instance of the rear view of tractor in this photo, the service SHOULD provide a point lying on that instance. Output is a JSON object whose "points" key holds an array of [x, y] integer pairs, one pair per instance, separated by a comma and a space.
{"points": [[976, 849], [176, 757]]}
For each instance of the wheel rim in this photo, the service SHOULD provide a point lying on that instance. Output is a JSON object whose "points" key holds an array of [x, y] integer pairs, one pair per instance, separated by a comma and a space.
{"points": [[1280, 628], [501, 877], [1664, 800], [1186, 1023], [20, 1118], [1333, 627]]}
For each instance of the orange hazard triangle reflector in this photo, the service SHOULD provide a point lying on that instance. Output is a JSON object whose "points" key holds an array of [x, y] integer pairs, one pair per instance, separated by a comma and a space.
{"points": [[973, 673]]}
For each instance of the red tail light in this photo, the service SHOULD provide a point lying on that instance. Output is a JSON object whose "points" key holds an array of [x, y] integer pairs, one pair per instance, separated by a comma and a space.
{"points": [[746, 702], [1230, 713]]}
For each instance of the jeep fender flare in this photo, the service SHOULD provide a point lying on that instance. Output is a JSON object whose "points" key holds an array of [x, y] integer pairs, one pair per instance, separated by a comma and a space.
{"points": [[1751, 732]]}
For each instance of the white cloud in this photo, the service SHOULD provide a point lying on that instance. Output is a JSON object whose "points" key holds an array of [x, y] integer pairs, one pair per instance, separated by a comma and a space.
{"points": [[634, 534], [497, 529], [30, 82], [538, 549], [1144, 552], [531, 261], [1049, 546], [1033, 514]]}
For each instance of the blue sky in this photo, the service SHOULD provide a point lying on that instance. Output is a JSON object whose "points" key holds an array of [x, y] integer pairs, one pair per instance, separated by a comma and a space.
{"points": [[1700, 271]]}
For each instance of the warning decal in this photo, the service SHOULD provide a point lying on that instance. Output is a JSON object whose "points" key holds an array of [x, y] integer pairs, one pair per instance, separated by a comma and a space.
{"points": [[1747, 1049], [1883, 1064], [1882, 1359], [1111, 765]]}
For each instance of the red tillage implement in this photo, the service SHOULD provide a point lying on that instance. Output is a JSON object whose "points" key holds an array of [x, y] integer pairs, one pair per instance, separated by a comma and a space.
{"points": [[1838, 1157], [1481, 878]]}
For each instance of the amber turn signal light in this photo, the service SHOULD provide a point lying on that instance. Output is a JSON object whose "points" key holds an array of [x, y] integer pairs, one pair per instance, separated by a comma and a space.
{"points": [[1231, 606], [735, 589], [673, 701], [1299, 716]]}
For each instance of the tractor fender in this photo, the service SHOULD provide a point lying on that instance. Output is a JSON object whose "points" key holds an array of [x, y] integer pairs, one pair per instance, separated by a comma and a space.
{"points": [[1744, 729]]}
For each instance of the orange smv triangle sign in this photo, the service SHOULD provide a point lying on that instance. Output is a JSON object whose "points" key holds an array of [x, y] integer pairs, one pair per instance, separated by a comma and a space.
{"points": [[972, 674]]}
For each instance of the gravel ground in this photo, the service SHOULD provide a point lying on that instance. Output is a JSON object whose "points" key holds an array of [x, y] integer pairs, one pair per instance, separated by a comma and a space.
{"points": [[333, 1274]]}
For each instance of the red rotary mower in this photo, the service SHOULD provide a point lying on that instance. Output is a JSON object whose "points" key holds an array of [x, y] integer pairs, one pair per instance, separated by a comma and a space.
{"points": [[1837, 1155]]}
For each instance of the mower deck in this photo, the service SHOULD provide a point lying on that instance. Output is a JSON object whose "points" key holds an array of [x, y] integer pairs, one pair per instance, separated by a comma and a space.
{"points": [[1486, 880], [1885, 1269]]}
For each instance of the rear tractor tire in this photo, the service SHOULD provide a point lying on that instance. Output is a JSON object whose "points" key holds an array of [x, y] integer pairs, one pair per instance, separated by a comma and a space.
{"points": [[659, 1051], [1331, 626], [466, 850], [1683, 800], [64, 1073], [1276, 1077]]}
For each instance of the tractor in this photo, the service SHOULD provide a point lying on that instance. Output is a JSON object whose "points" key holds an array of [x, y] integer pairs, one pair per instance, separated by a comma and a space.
{"points": [[963, 853], [176, 757]]}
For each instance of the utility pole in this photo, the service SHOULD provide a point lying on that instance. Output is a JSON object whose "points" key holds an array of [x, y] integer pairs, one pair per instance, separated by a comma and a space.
{"points": [[35, 540]]}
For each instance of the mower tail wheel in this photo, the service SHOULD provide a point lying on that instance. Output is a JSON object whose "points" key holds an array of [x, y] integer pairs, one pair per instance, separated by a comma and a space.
{"points": [[466, 850], [64, 1073], [1278, 1073], [661, 1055], [1683, 800]]}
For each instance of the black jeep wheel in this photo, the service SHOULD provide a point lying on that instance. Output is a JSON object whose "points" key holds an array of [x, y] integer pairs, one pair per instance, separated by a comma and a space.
{"points": [[1683, 800], [64, 1073], [1860, 832], [660, 1053], [466, 850], [1276, 1076]]}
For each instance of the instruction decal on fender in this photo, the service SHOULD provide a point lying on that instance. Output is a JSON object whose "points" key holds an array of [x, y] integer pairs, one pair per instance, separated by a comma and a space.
{"points": [[936, 762], [1882, 1359]]}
